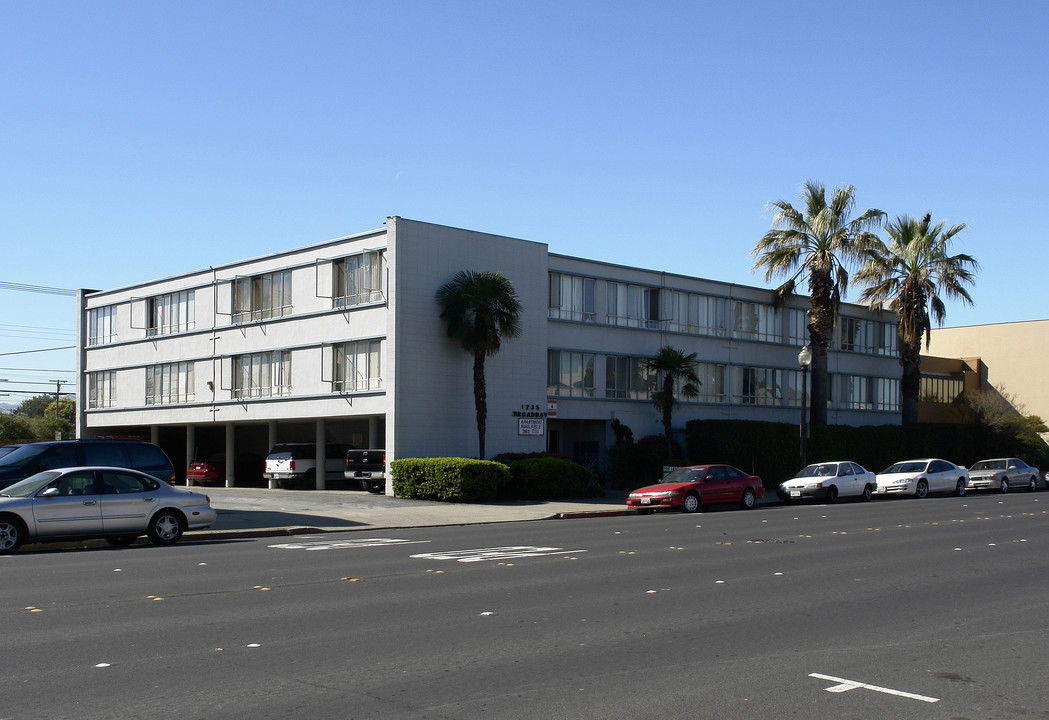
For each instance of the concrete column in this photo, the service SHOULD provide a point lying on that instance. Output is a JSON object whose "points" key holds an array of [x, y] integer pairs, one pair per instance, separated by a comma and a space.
{"points": [[154, 434], [191, 446], [272, 427], [374, 441], [230, 454], [322, 455]]}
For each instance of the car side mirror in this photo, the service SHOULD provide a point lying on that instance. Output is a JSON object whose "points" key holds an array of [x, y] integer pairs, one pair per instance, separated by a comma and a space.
{"points": [[50, 492]]}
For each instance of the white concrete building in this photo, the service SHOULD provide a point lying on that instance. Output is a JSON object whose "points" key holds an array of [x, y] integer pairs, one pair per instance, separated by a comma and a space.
{"points": [[342, 342]]}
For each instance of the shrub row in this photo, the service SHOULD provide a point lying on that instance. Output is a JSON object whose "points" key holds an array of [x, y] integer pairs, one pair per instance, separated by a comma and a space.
{"points": [[535, 477]]}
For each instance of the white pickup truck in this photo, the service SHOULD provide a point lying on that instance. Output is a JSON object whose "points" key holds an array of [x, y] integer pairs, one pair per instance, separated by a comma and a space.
{"points": [[294, 465]]}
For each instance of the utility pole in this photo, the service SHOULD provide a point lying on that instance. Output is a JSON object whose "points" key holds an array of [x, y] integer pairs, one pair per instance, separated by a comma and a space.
{"points": [[58, 394]]}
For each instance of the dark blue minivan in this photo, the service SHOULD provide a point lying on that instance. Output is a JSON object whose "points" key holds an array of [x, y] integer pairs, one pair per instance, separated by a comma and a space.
{"points": [[35, 457]]}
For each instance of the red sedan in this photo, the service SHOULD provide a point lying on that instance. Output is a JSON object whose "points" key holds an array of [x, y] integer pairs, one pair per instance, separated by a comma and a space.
{"points": [[689, 488]]}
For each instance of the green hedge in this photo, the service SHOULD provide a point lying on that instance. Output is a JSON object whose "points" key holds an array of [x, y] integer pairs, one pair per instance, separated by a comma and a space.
{"points": [[544, 478], [448, 479], [772, 451]]}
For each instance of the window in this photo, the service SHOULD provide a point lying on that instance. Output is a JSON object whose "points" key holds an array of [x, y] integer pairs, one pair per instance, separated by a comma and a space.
{"points": [[758, 386], [169, 383], [887, 339], [857, 392], [753, 321], [570, 374], [797, 327], [633, 305], [696, 314], [357, 366], [358, 279], [857, 335], [262, 296], [266, 374], [571, 297], [712, 383], [887, 394], [100, 389], [171, 313], [100, 325], [627, 378], [940, 388]]}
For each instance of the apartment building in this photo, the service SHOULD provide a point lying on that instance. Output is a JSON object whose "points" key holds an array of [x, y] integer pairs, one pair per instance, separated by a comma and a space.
{"points": [[341, 341]]}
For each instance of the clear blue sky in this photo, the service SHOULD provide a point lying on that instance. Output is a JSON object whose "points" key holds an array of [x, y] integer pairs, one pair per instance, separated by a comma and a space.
{"points": [[145, 139]]}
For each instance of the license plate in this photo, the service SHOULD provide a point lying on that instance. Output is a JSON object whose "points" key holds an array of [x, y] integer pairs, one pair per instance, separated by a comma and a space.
{"points": [[646, 501], [795, 493]]}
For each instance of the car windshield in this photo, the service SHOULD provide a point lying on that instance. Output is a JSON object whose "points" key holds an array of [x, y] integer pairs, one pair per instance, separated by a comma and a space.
{"points": [[905, 467], [684, 475], [989, 465], [821, 470], [31, 484]]}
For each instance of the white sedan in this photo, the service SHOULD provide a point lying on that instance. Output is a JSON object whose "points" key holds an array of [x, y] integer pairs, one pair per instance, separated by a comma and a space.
{"points": [[829, 480], [921, 477]]}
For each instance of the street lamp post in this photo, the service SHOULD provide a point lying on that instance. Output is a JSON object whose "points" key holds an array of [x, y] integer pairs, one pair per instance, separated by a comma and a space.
{"points": [[804, 360]]}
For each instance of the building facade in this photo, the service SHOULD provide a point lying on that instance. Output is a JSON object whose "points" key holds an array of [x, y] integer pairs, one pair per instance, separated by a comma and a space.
{"points": [[342, 342]]}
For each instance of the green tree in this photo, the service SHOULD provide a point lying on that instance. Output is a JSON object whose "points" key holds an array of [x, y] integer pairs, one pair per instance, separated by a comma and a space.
{"points": [[821, 242], [13, 429], [672, 367], [35, 406], [480, 309], [912, 275]]}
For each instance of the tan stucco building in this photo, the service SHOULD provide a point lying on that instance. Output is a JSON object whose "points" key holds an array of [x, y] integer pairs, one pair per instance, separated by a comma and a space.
{"points": [[1007, 355]]}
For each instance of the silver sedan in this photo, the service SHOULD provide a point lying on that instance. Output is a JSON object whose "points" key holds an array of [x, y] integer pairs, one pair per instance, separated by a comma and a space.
{"points": [[104, 502]]}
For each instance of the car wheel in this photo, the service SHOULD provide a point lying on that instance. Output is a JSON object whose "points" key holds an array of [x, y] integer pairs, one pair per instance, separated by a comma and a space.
{"points": [[691, 503], [832, 494], [12, 534], [868, 493], [1004, 487], [959, 489], [748, 500], [166, 527], [922, 490], [1033, 484], [121, 540]]}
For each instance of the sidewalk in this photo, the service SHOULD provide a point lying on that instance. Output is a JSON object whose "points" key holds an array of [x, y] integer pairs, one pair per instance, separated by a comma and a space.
{"points": [[261, 512]]}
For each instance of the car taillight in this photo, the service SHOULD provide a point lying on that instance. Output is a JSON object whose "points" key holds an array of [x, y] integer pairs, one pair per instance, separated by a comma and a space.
{"points": [[291, 465], [171, 480]]}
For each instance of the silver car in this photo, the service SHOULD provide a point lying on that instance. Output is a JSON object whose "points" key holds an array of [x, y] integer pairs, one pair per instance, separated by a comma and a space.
{"points": [[1001, 474], [104, 502]]}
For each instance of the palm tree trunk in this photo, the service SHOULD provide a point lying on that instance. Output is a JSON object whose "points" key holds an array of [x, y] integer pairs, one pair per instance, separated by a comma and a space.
{"points": [[668, 409], [820, 380], [910, 384], [480, 402]]}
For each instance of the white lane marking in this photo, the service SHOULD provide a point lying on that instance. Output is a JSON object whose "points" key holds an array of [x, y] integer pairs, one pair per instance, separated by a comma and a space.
{"points": [[497, 553], [345, 544], [846, 685]]}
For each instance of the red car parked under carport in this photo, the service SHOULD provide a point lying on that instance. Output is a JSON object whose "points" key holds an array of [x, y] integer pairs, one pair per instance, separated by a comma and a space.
{"points": [[689, 488]]}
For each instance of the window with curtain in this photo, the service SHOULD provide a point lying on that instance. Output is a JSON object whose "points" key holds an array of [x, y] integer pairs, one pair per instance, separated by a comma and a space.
{"points": [[266, 374], [170, 313], [357, 366], [358, 279], [169, 383], [261, 297]]}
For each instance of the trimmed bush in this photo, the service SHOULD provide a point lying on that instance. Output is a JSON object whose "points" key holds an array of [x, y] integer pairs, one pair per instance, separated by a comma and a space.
{"points": [[545, 478], [448, 479]]}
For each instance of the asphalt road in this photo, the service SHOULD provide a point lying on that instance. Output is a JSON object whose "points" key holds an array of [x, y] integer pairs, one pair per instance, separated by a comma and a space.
{"points": [[894, 609]]}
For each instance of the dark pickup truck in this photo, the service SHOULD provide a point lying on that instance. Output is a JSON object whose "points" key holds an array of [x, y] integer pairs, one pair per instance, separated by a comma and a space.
{"points": [[367, 466]]}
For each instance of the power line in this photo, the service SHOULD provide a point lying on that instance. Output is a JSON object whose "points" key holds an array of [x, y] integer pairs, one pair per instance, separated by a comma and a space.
{"points": [[45, 350], [36, 288]]}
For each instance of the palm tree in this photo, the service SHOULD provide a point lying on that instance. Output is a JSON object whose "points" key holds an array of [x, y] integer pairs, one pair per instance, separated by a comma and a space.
{"points": [[674, 366], [821, 241], [911, 274], [480, 308]]}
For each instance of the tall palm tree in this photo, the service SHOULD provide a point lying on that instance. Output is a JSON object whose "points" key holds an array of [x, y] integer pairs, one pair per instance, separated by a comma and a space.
{"points": [[822, 242], [910, 275], [481, 308], [671, 366]]}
